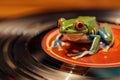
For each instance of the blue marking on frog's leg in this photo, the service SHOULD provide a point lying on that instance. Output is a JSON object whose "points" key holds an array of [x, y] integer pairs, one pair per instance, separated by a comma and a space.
{"points": [[102, 45], [107, 36], [57, 41], [94, 47]]}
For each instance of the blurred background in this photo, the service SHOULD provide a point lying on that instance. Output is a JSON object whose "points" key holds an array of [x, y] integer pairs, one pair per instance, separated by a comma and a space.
{"points": [[18, 8]]}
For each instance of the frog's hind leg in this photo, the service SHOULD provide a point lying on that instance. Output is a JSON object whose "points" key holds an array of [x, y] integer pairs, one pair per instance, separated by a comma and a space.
{"points": [[108, 37], [94, 47]]}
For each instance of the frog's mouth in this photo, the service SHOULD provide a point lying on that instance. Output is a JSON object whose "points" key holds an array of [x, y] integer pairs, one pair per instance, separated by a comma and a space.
{"points": [[75, 36]]}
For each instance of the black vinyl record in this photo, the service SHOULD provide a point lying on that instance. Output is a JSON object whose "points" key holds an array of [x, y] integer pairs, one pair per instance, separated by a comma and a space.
{"points": [[22, 57]]}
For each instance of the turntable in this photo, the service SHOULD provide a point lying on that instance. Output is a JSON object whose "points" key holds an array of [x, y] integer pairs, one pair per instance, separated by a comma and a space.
{"points": [[22, 56]]}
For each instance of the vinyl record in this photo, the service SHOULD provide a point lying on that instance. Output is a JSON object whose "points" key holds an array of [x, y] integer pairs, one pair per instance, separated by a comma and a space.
{"points": [[22, 56]]}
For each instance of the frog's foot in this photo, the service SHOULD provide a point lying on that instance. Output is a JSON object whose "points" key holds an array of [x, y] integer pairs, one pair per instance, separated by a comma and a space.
{"points": [[57, 44], [72, 54], [106, 49], [102, 45], [79, 55]]}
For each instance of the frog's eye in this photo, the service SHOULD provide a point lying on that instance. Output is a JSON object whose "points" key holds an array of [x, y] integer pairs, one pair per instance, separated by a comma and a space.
{"points": [[58, 23], [79, 25]]}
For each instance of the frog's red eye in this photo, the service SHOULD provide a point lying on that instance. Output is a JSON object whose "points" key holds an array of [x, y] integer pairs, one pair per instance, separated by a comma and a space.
{"points": [[58, 23], [79, 25]]}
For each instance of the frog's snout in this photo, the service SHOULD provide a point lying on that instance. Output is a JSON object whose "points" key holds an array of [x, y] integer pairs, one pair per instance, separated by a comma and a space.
{"points": [[66, 30], [62, 30]]}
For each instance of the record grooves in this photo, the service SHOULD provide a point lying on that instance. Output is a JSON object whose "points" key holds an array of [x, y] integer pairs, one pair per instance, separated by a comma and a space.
{"points": [[21, 53]]}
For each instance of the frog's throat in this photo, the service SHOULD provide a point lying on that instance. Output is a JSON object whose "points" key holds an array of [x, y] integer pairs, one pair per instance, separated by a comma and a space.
{"points": [[74, 36]]}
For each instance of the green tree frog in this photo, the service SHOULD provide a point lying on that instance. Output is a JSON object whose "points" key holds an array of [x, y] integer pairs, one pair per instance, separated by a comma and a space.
{"points": [[84, 29]]}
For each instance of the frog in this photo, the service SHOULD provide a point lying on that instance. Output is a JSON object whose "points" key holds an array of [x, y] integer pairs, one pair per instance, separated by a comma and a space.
{"points": [[84, 29]]}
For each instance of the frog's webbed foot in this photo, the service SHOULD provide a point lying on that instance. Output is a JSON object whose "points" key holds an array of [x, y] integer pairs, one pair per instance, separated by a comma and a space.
{"points": [[106, 48], [56, 44], [80, 54]]}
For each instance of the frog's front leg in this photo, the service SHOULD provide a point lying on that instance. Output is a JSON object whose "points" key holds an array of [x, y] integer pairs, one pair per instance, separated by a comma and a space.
{"points": [[94, 47], [57, 42]]}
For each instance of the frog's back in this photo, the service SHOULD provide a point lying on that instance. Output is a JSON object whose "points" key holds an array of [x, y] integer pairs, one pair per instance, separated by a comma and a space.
{"points": [[87, 18]]}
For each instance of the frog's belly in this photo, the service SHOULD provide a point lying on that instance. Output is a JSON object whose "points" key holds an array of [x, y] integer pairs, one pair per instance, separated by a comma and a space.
{"points": [[79, 38]]}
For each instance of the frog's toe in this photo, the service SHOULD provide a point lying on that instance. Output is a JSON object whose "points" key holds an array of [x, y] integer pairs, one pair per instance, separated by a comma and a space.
{"points": [[106, 49], [56, 44], [80, 55], [60, 49], [71, 54], [102, 45]]}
